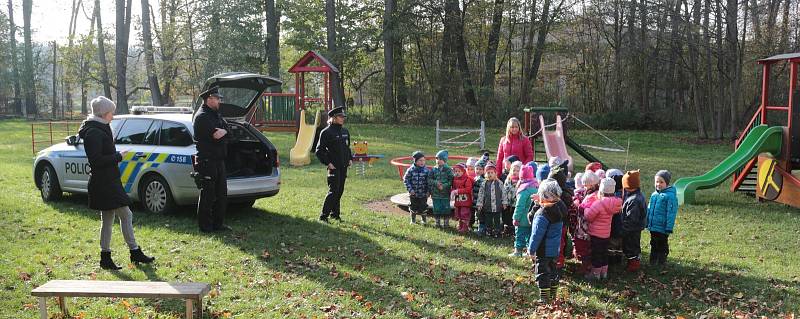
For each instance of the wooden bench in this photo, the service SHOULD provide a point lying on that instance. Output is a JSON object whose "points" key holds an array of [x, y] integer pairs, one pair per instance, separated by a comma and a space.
{"points": [[191, 292]]}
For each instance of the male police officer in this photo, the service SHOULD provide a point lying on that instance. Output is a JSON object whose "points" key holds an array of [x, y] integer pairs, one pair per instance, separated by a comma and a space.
{"points": [[210, 132], [333, 150]]}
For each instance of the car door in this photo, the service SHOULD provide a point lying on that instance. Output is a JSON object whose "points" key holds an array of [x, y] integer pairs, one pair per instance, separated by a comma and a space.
{"points": [[75, 164], [175, 149], [137, 138]]}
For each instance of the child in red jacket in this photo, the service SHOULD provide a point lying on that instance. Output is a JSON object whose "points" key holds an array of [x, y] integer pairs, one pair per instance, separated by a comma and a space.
{"points": [[462, 196]]}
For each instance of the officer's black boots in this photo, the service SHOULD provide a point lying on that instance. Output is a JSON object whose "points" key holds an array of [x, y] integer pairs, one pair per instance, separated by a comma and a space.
{"points": [[324, 219], [337, 218], [137, 256], [106, 262]]}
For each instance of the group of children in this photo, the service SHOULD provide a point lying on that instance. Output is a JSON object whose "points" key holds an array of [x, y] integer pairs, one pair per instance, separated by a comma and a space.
{"points": [[547, 212]]}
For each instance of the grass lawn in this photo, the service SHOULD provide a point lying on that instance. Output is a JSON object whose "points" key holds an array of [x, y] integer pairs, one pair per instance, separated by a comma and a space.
{"points": [[729, 254]]}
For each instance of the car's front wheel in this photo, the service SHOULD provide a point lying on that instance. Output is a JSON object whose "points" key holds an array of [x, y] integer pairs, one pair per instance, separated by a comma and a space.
{"points": [[155, 195], [48, 184]]}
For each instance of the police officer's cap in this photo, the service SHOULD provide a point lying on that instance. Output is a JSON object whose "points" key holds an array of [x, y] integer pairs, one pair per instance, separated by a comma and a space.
{"points": [[212, 91], [338, 111]]}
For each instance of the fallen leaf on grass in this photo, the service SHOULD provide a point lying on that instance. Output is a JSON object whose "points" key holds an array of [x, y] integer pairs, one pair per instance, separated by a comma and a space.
{"points": [[265, 255], [407, 296], [24, 276], [328, 308], [738, 295]]}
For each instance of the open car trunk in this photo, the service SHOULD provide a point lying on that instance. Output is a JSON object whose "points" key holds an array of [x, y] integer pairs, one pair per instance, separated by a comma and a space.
{"points": [[250, 153]]}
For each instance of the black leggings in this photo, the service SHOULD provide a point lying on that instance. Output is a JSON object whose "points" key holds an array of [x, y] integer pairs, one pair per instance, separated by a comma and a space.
{"points": [[599, 252]]}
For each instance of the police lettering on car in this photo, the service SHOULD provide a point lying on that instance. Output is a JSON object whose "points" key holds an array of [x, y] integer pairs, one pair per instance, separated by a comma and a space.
{"points": [[210, 135], [333, 150]]}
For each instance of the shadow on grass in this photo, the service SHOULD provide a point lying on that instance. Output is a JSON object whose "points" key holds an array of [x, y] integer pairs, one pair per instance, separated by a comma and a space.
{"points": [[351, 258]]}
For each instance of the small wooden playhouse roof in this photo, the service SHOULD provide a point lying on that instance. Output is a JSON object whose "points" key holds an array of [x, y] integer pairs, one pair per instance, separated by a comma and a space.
{"points": [[307, 64]]}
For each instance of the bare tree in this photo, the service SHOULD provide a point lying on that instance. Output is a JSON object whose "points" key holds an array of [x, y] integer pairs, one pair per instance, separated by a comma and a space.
{"points": [[101, 51], [123, 26], [14, 64], [273, 38], [388, 59], [330, 26], [150, 62], [486, 92], [30, 84]]}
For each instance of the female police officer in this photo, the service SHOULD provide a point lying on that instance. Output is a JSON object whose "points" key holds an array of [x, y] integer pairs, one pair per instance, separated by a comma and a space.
{"points": [[333, 150]]}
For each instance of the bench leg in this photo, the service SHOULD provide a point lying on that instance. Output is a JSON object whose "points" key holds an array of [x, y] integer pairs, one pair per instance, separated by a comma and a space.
{"points": [[189, 309], [62, 304], [43, 307], [200, 308]]}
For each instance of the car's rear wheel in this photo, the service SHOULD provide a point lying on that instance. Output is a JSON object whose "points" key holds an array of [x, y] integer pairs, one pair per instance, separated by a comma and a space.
{"points": [[48, 184], [155, 195]]}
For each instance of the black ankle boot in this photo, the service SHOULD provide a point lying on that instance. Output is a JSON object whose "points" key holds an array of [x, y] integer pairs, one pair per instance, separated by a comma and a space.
{"points": [[106, 262], [137, 256]]}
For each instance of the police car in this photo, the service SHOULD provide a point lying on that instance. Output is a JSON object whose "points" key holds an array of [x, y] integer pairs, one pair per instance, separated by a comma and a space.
{"points": [[160, 152]]}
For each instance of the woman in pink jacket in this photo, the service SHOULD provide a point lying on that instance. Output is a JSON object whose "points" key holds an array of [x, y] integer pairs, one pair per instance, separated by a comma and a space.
{"points": [[599, 218], [514, 143]]}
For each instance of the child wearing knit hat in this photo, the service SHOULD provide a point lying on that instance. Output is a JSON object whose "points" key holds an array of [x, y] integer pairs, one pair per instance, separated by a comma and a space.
{"points": [[579, 226], [546, 218], [416, 182], [492, 200], [440, 184], [633, 219], [471, 167], [527, 187], [510, 187], [599, 217], [476, 186], [661, 213], [462, 196]]}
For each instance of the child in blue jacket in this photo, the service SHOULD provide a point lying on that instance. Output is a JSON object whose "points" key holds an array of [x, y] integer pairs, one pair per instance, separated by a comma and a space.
{"points": [[546, 218], [416, 181], [661, 213]]}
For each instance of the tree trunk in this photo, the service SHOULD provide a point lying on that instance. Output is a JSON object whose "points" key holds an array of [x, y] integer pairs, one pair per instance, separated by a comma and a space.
{"points": [[30, 85], [84, 66], [388, 59], [732, 61], [14, 63], [273, 39], [401, 89], [720, 100], [463, 67], [694, 69], [101, 52], [337, 86], [150, 61], [486, 91], [121, 53], [448, 88], [169, 40], [55, 81], [709, 100], [533, 70]]}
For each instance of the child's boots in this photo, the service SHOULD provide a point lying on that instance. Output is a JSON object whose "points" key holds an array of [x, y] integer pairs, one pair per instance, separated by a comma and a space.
{"points": [[544, 296], [633, 265], [594, 274]]}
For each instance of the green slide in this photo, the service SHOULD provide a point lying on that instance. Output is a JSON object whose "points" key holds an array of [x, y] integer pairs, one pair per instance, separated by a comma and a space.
{"points": [[762, 138]]}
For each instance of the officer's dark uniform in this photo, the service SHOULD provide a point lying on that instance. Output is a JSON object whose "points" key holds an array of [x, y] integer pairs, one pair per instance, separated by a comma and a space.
{"points": [[210, 166], [334, 148]]}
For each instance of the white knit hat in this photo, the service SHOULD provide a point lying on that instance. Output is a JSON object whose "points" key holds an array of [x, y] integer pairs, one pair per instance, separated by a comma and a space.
{"points": [[555, 161], [102, 105], [607, 185], [549, 190], [579, 180], [589, 178], [614, 172]]}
